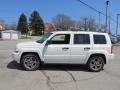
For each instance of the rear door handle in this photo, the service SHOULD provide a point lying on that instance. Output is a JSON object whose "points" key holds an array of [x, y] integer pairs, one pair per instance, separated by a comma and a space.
{"points": [[65, 48]]}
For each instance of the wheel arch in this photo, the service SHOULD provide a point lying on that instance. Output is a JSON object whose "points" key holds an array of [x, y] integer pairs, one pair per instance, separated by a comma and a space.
{"points": [[99, 54], [24, 53]]}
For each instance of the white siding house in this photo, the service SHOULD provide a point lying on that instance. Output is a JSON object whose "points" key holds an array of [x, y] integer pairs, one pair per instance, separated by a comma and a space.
{"points": [[9, 34]]}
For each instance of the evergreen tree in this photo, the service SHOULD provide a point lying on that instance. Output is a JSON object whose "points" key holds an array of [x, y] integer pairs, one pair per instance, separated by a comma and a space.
{"points": [[37, 23], [22, 24]]}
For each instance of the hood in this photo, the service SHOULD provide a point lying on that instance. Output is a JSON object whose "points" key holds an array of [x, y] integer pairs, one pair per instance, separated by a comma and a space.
{"points": [[28, 44]]}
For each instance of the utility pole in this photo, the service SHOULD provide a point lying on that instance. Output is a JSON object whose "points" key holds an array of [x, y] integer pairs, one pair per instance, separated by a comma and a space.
{"points": [[117, 24], [109, 24], [107, 3], [99, 21], [85, 24]]}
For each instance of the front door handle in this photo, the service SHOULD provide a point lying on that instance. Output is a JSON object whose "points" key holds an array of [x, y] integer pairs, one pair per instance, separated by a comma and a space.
{"points": [[86, 48]]}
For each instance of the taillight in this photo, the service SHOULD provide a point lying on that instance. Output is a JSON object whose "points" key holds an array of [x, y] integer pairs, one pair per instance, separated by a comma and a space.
{"points": [[111, 49]]}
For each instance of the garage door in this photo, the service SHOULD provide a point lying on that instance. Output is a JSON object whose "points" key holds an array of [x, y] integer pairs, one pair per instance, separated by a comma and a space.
{"points": [[6, 35], [14, 36]]}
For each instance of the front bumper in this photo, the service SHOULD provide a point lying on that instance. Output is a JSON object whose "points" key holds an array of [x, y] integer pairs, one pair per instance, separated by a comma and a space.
{"points": [[15, 57]]}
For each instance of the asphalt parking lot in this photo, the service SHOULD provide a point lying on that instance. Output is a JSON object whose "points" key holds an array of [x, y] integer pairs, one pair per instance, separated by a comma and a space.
{"points": [[56, 77]]}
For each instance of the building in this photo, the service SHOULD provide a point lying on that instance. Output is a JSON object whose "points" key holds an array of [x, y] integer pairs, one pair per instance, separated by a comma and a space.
{"points": [[9, 34], [49, 27], [2, 26]]}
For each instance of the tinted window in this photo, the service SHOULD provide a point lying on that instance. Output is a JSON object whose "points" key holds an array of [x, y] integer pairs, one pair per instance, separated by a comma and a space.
{"points": [[99, 39], [61, 39], [44, 37], [81, 39]]}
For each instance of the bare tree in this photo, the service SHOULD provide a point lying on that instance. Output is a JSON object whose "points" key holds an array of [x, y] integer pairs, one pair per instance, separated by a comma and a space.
{"points": [[103, 28], [77, 24], [93, 26], [85, 23], [88, 24], [12, 26], [62, 22]]}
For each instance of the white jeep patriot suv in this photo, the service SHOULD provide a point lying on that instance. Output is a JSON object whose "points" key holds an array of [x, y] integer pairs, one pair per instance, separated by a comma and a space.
{"points": [[66, 47]]}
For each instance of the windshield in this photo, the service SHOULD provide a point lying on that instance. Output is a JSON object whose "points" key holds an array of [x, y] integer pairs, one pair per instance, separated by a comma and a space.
{"points": [[44, 37]]}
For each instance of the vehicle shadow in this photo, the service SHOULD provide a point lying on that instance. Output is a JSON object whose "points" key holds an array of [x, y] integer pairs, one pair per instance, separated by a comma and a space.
{"points": [[64, 67], [52, 67], [14, 65]]}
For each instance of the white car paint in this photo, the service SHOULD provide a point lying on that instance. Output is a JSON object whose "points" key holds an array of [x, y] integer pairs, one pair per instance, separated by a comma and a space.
{"points": [[76, 54]]}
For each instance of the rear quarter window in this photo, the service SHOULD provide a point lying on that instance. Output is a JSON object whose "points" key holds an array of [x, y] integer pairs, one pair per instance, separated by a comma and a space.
{"points": [[99, 39]]}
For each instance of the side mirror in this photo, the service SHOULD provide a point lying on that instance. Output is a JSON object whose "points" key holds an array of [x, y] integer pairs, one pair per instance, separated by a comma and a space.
{"points": [[48, 42]]}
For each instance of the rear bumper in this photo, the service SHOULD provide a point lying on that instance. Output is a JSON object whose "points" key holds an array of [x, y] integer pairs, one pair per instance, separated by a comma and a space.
{"points": [[15, 57]]}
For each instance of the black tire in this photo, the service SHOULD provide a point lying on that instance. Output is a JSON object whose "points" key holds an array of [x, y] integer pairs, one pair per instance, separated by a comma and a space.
{"points": [[95, 63], [30, 62]]}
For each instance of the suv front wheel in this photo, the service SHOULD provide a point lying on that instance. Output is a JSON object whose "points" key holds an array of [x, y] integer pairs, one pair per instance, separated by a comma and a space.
{"points": [[30, 62], [95, 63]]}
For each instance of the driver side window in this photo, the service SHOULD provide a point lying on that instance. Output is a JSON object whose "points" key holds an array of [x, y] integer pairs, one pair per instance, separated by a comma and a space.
{"points": [[61, 39]]}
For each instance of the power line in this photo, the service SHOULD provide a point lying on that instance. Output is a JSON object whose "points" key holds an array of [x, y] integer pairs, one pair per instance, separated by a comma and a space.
{"points": [[90, 7], [94, 9]]}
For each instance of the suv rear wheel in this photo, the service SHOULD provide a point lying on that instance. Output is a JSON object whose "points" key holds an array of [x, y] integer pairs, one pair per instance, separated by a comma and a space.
{"points": [[30, 62], [95, 63]]}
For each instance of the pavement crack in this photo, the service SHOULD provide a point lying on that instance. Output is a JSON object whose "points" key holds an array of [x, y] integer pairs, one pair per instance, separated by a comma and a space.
{"points": [[48, 81], [71, 75], [53, 82], [73, 78], [81, 79], [88, 78]]}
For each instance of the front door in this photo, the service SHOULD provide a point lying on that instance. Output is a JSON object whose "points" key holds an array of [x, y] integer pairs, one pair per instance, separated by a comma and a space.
{"points": [[58, 51]]}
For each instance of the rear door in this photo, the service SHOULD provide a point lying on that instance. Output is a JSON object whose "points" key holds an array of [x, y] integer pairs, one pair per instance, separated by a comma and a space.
{"points": [[80, 48]]}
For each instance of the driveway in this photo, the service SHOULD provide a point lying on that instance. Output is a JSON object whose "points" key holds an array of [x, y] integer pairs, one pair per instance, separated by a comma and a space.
{"points": [[55, 77]]}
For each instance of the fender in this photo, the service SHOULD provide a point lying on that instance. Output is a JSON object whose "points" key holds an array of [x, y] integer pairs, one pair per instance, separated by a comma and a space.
{"points": [[35, 50], [96, 52]]}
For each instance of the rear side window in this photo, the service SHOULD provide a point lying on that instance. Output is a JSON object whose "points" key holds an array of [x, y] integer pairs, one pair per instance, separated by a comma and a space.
{"points": [[99, 39], [81, 39]]}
